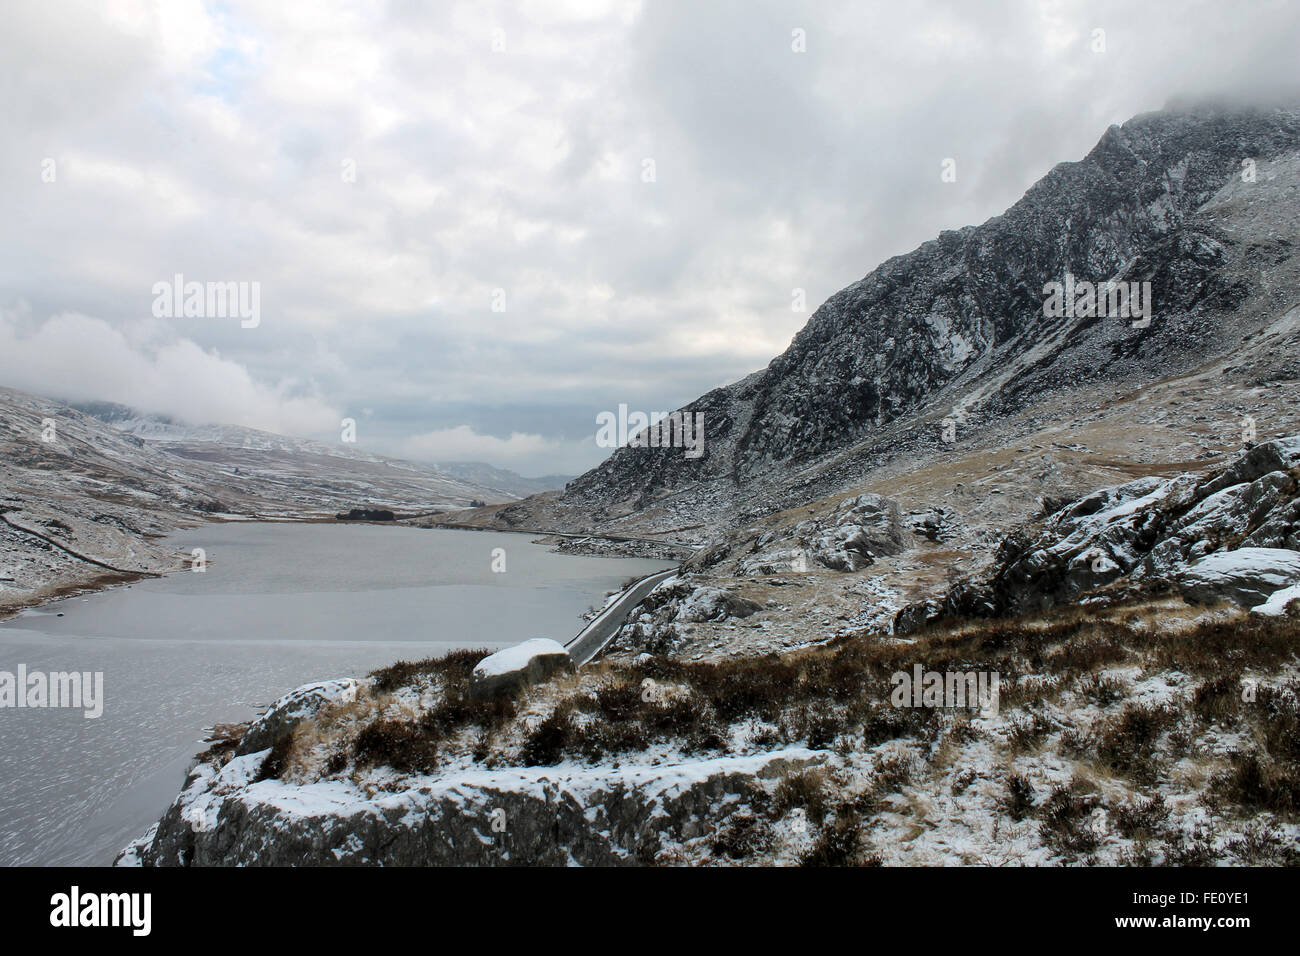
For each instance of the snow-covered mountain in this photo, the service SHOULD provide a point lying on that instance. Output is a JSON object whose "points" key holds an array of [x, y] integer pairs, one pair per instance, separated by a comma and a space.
{"points": [[486, 482], [940, 349], [481, 473], [84, 490]]}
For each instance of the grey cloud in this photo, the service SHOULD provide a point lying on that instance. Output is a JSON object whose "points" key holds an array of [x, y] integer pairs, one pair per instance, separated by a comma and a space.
{"points": [[208, 141]]}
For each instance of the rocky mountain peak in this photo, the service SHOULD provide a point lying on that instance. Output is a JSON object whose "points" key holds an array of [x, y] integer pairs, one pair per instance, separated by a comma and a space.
{"points": [[957, 328]]}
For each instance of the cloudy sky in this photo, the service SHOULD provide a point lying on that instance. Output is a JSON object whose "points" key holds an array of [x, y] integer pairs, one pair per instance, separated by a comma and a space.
{"points": [[474, 226]]}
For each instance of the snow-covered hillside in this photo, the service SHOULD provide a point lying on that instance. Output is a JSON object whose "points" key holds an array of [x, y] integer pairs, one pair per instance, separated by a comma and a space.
{"points": [[82, 499]]}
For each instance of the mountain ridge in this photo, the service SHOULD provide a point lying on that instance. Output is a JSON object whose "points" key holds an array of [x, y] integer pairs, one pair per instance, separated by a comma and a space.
{"points": [[167, 430], [83, 502], [956, 328]]}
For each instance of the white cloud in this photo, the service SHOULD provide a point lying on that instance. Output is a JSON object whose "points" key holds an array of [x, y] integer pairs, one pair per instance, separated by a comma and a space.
{"points": [[77, 357], [208, 139]]}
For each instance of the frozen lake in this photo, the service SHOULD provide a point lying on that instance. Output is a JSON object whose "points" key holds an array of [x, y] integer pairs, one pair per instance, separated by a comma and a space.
{"points": [[278, 605]]}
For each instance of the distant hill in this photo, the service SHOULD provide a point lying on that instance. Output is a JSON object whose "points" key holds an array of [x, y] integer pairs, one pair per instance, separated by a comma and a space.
{"points": [[481, 473], [313, 467], [85, 490]]}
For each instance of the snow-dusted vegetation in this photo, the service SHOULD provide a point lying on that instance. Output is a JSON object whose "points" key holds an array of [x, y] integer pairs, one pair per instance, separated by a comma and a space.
{"points": [[1144, 735]]}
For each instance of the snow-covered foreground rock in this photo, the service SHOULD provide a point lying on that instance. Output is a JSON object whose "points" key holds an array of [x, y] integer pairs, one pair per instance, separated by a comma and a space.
{"points": [[562, 815]]}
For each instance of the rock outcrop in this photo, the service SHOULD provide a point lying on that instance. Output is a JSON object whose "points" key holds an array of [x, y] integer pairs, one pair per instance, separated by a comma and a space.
{"points": [[301, 704], [551, 816], [1233, 535], [714, 604], [656, 624], [1247, 576], [848, 539]]}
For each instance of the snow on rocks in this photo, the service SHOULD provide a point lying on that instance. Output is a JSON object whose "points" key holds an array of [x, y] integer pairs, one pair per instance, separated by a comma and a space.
{"points": [[857, 532], [518, 667], [300, 704], [562, 815], [1278, 604], [1149, 530], [1246, 576], [714, 604], [935, 524], [861, 528], [658, 623]]}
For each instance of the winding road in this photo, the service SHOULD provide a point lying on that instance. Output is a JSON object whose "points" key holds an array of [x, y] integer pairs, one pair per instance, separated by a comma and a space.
{"points": [[592, 639]]}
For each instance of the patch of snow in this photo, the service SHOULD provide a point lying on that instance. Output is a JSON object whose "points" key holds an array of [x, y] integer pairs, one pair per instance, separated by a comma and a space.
{"points": [[1275, 606], [516, 658]]}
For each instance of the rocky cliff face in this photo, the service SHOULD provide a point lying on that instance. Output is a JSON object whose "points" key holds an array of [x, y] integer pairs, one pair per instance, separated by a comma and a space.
{"points": [[957, 329]]}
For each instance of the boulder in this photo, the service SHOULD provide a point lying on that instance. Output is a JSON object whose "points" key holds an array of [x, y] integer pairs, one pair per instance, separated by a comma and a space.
{"points": [[915, 617], [715, 604], [1283, 603], [1246, 576], [934, 524], [849, 538], [858, 531], [650, 626], [511, 670], [707, 556], [293, 708]]}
